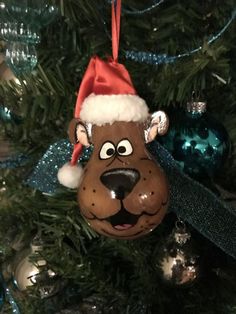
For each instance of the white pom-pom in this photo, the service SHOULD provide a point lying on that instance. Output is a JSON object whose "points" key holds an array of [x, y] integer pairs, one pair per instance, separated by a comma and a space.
{"points": [[70, 176]]}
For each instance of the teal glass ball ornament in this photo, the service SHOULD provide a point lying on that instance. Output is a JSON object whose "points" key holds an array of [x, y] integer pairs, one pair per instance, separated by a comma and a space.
{"points": [[199, 143]]}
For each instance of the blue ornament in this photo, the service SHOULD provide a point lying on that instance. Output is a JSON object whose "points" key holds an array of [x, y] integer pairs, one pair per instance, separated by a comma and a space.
{"points": [[199, 143]]}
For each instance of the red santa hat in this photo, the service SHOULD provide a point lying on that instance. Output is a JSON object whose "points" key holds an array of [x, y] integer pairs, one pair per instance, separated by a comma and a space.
{"points": [[106, 95]]}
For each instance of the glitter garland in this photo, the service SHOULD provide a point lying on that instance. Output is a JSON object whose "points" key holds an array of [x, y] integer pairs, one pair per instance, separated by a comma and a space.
{"points": [[157, 59], [140, 12]]}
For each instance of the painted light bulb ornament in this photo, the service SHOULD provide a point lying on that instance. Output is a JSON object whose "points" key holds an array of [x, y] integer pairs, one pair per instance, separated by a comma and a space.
{"points": [[122, 191]]}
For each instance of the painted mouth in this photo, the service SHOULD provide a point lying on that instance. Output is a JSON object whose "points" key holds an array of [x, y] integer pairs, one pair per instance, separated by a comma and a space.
{"points": [[123, 220]]}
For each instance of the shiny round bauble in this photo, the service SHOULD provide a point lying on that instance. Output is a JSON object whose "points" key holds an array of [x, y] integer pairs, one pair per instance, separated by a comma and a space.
{"points": [[178, 260], [27, 273], [124, 192], [199, 143]]}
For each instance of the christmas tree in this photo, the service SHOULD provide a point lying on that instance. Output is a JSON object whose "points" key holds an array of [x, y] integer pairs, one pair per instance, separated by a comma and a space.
{"points": [[180, 56]]}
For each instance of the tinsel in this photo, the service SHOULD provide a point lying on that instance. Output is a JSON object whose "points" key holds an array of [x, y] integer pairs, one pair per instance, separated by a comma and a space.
{"points": [[9, 297], [157, 59], [143, 11], [197, 205]]}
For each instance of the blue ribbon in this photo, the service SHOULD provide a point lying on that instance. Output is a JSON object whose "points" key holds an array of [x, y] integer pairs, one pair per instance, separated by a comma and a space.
{"points": [[188, 199], [197, 205], [44, 175]]}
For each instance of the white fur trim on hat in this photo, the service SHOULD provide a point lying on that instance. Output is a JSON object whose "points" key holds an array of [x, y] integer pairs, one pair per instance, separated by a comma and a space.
{"points": [[70, 176], [101, 109]]}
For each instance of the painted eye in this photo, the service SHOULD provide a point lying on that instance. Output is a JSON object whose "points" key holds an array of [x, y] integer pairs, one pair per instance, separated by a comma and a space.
{"points": [[107, 151], [124, 148]]}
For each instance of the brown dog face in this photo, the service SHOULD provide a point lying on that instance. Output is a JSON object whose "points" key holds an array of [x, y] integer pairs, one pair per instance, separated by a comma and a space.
{"points": [[124, 192]]}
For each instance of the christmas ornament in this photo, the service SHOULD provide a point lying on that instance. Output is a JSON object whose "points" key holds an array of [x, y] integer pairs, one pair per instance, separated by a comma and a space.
{"points": [[21, 57], [19, 32], [27, 273], [20, 26], [123, 192], [198, 142], [34, 13], [177, 260]]}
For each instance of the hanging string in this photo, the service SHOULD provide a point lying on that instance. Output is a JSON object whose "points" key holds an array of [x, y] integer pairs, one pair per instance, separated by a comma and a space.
{"points": [[115, 13], [157, 59]]}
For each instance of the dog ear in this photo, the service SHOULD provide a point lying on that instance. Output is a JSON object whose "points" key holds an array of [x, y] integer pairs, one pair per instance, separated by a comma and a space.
{"points": [[158, 125], [78, 133]]}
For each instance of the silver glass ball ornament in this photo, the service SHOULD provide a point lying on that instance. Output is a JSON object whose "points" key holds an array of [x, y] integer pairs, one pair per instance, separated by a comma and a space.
{"points": [[26, 273], [178, 260]]}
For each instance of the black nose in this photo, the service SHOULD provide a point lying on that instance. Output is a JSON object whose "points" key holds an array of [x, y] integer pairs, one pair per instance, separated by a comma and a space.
{"points": [[120, 181]]}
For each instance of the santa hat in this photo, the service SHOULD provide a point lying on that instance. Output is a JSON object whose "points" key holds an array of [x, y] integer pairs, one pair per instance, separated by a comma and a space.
{"points": [[106, 95]]}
